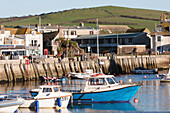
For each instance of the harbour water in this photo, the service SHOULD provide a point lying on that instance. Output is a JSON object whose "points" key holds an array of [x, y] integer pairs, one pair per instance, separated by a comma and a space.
{"points": [[153, 96]]}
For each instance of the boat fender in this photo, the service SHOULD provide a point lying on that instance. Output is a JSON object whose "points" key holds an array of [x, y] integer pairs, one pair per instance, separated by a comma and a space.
{"points": [[67, 75], [59, 102], [120, 82], [15, 111], [37, 105]]}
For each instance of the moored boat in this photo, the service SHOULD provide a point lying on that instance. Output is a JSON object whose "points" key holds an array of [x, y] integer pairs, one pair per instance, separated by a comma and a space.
{"points": [[104, 88], [86, 74], [141, 70], [48, 97], [10, 104], [166, 77]]}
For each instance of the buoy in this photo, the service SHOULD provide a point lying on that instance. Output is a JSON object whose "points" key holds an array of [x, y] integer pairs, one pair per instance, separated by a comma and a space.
{"points": [[120, 81], [37, 105], [135, 100], [59, 102], [144, 76], [48, 83]]}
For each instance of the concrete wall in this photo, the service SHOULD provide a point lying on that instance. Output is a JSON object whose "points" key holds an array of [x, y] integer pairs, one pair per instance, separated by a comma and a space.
{"points": [[16, 70]]}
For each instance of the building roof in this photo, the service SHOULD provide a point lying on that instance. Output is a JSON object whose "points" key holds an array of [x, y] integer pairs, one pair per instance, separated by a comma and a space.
{"points": [[56, 27], [138, 30], [113, 28], [17, 31], [125, 35], [49, 36]]}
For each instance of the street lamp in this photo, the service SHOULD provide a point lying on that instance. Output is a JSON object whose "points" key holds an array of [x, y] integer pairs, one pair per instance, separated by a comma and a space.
{"points": [[97, 39]]}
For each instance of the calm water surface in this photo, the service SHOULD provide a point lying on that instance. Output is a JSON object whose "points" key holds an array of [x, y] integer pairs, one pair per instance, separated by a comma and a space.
{"points": [[153, 96]]}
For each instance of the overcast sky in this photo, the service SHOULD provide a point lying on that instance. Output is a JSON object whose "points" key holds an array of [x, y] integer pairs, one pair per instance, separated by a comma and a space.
{"points": [[10, 8]]}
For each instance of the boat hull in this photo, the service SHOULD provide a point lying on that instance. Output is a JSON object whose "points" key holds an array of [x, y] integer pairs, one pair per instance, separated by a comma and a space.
{"points": [[117, 95], [9, 109], [10, 105], [46, 102]]}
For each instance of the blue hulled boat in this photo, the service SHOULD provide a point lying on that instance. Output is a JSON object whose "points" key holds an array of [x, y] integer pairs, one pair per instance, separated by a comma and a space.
{"points": [[104, 88]]}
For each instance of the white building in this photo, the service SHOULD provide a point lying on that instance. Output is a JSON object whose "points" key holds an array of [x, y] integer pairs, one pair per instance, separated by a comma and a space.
{"points": [[21, 41]]}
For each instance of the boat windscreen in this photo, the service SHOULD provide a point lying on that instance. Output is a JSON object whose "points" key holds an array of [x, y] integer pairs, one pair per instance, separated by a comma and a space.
{"points": [[110, 81], [115, 79]]}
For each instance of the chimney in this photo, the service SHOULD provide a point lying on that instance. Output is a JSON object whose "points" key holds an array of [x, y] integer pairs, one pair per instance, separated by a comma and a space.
{"points": [[60, 32], [49, 24], [2, 28], [81, 24]]}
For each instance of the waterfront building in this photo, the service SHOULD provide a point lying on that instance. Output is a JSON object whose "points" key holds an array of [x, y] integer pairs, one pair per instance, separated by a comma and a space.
{"points": [[20, 41], [127, 42], [160, 37]]}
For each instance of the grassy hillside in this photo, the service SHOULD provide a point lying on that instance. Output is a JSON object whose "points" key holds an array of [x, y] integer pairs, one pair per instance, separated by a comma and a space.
{"points": [[136, 18]]}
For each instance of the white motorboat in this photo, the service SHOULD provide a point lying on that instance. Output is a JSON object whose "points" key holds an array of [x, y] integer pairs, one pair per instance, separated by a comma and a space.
{"points": [[86, 74], [165, 77], [48, 96], [10, 104]]}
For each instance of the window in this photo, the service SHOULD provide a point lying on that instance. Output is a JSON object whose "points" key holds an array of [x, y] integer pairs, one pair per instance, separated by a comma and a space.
{"points": [[108, 41], [32, 42], [101, 41], [35, 42], [73, 32], [47, 90], [96, 81], [115, 79], [56, 89], [22, 42], [65, 32], [130, 40], [114, 41], [159, 38], [110, 81]]}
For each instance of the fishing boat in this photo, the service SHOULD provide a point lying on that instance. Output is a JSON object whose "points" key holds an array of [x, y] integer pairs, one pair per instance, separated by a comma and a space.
{"points": [[10, 104], [47, 96], [103, 88], [166, 77], [141, 70]]}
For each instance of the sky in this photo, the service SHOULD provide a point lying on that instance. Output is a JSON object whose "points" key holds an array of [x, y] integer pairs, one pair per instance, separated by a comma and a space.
{"points": [[10, 8]]}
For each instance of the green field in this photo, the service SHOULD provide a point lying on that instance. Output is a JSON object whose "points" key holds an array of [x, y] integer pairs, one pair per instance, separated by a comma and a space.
{"points": [[109, 15]]}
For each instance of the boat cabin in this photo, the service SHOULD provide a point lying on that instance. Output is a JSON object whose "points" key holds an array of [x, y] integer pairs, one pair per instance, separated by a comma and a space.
{"points": [[102, 80], [44, 89]]}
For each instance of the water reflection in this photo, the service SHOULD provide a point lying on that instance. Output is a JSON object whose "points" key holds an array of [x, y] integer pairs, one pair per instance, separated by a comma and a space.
{"points": [[105, 106], [44, 111]]}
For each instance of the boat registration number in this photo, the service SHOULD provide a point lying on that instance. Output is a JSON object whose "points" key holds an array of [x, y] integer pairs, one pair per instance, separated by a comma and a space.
{"points": [[64, 98]]}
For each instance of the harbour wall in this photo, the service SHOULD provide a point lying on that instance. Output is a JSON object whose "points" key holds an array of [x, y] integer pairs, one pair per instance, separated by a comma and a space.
{"points": [[19, 70]]}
